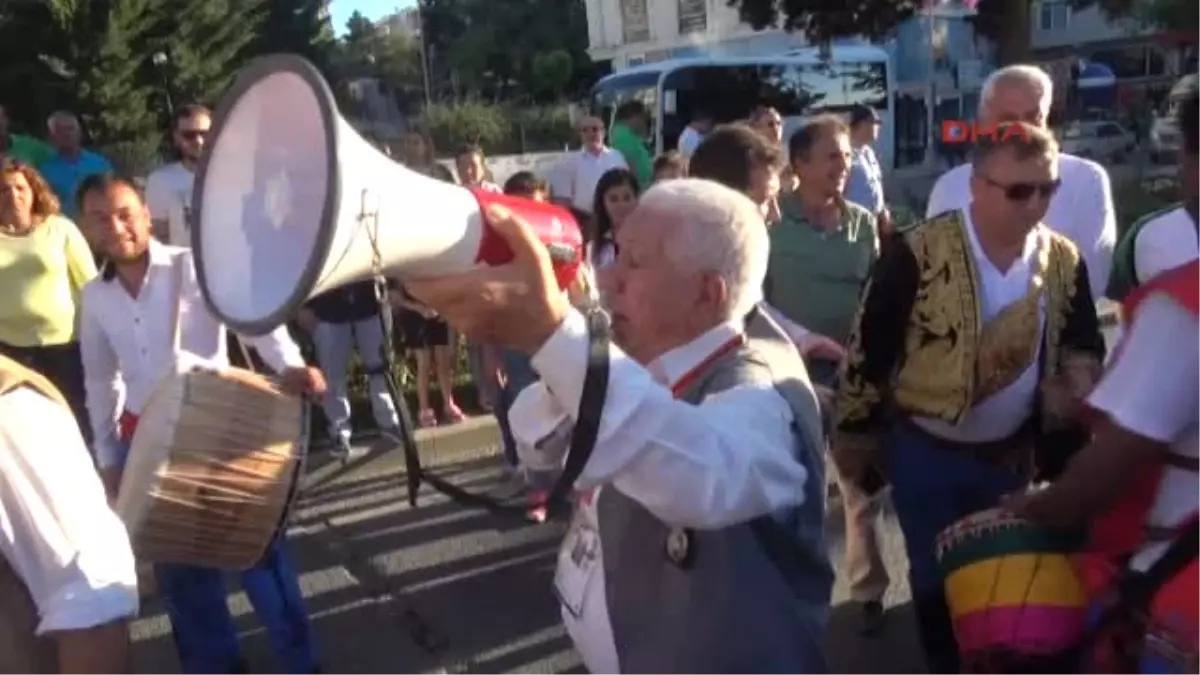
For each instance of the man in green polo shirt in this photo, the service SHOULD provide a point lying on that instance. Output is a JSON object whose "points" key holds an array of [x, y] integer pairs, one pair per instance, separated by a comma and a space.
{"points": [[26, 149], [628, 137], [822, 250]]}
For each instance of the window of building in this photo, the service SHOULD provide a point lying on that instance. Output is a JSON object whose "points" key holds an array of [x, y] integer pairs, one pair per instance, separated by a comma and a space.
{"points": [[1054, 14], [635, 21], [693, 16]]}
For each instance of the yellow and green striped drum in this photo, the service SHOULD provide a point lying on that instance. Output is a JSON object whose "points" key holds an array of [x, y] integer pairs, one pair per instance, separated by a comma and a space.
{"points": [[1013, 591]]}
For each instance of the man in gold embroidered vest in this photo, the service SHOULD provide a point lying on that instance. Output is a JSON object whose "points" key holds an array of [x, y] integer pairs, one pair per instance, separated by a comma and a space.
{"points": [[67, 579], [976, 339]]}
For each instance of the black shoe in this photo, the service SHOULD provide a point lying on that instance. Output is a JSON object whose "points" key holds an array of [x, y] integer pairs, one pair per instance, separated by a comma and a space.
{"points": [[871, 621]]}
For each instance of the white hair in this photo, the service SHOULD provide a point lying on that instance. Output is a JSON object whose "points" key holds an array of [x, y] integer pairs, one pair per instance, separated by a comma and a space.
{"points": [[1019, 73], [715, 229], [61, 117]]}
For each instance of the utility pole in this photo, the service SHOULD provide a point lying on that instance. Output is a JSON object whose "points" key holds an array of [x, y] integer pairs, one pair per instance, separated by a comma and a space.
{"points": [[424, 56]]}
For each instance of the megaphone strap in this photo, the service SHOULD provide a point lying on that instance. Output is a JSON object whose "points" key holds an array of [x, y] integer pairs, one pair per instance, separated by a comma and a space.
{"points": [[583, 438]]}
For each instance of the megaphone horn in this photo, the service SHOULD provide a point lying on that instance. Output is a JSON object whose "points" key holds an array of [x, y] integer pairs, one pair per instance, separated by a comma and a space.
{"points": [[290, 201]]}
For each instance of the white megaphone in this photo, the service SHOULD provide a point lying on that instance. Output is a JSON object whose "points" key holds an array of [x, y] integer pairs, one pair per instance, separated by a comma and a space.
{"points": [[290, 201]]}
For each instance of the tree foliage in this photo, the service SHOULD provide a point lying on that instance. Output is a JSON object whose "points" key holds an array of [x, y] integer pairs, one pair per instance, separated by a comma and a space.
{"points": [[488, 48], [1005, 21], [96, 58]]}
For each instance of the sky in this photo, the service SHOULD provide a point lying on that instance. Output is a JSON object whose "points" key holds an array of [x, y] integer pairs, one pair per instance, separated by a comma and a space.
{"points": [[372, 9]]}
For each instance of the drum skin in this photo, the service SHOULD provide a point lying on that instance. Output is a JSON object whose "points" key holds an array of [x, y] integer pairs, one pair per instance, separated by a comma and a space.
{"points": [[213, 468], [1012, 588]]}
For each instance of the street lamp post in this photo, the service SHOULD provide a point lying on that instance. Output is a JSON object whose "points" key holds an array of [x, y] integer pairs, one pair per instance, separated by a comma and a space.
{"points": [[160, 61]]}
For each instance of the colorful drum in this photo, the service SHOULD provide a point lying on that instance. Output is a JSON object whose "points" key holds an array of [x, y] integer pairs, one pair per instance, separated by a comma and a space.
{"points": [[1013, 592]]}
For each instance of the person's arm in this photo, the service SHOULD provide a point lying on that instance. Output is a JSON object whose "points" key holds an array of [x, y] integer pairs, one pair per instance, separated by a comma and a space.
{"points": [[874, 349], [725, 461], [1147, 399], [158, 200], [1098, 250], [81, 264], [69, 549], [102, 384], [277, 349]]}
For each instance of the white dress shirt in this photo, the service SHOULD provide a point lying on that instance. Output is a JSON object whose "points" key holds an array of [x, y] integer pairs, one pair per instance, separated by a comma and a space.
{"points": [[56, 529], [723, 462], [1165, 243], [126, 338], [1151, 389], [169, 198], [1081, 210], [1001, 414], [576, 178]]}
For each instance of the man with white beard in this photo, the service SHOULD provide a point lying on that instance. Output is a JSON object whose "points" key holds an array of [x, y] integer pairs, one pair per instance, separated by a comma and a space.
{"points": [[697, 544], [1081, 209]]}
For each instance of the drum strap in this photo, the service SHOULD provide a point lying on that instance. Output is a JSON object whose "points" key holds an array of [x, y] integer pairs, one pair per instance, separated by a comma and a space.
{"points": [[1135, 590], [583, 438]]}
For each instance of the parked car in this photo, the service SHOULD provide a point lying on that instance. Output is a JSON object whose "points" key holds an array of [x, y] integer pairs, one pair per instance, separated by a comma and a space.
{"points": [[1102, 141]]}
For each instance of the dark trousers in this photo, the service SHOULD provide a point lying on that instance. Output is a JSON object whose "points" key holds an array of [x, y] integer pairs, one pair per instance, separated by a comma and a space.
{"points": [[932, 488], [63, 366]]}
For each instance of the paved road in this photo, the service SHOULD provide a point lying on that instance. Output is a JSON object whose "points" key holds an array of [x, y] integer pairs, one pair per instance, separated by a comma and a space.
{"points": [[443, 588]]}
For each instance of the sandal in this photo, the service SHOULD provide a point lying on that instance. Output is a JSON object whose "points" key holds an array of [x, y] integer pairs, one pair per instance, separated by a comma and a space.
{"points": [[454, 414], [427, 418]]}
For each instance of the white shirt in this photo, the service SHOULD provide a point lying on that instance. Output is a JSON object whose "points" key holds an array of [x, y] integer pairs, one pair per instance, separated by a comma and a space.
{"points": [[126, 338], [56, 529], [577, 176], [169, 198], [1165, 243], [1151, 389], [1001, 414], [723, 462], [1081, 210], [689, 140]]}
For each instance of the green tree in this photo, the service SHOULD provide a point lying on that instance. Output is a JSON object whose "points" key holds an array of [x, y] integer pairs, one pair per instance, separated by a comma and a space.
{"points": [[552, 71], [87, 57], [488, 47], [205, 43], [1005, 21], [298, 27]]}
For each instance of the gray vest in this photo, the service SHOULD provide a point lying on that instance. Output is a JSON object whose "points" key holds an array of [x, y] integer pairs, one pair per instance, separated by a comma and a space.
{"points": [[730, 606]]}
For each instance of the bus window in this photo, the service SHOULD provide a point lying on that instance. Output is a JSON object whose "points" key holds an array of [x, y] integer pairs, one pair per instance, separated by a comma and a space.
{"points": [[613, 91]]}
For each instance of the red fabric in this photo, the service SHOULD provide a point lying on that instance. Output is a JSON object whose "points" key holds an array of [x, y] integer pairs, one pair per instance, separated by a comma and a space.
{"points": [[1118, 532], [126, 425]]}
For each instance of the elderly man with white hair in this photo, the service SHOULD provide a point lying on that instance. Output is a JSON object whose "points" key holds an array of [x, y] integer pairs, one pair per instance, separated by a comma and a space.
{"points": [[71, 162], [1082, 208], [697, 543]]}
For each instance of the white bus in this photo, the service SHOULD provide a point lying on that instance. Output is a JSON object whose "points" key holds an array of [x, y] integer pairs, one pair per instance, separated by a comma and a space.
{"points": [[798, 83]]}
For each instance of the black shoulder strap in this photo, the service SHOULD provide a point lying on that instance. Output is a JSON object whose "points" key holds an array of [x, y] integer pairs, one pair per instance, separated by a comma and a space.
{"points": [[1138, 589]]}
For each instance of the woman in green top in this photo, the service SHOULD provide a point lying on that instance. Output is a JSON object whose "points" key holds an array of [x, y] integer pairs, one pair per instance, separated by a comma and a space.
{"points": [[44, 263]]}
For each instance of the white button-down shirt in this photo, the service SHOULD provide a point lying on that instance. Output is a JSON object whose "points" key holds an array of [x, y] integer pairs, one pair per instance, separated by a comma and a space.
{"points": [[1001, 414], [575, 179], [169, 198], [1081, 210], [56, 529], [128, 339], [723, 462], [1151, 389]]}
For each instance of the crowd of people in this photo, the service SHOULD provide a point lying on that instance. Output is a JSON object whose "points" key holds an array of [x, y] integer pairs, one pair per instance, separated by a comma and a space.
{"points": [[766, 314]]}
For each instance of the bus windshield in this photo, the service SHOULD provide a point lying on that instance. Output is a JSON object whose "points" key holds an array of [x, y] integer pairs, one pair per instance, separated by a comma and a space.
{"points": [[611, 92], [797, 90]]}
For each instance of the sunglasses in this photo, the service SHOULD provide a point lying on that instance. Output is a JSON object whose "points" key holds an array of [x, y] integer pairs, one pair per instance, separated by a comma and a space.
{"points": [[1023, 192], [193, 134], [587, 129]]}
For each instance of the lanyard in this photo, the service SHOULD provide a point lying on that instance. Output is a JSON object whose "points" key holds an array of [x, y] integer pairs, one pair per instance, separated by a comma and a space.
{"points": [[689, 378]]}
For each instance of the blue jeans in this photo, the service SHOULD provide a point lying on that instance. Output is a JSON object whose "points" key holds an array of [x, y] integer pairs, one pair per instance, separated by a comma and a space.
{"points": [[932, 488], [204, 632], [519, 374]]}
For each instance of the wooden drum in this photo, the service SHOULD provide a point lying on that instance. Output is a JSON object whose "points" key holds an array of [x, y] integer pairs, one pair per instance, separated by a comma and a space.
{"points": [[1013, 592], [213, 468]]}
